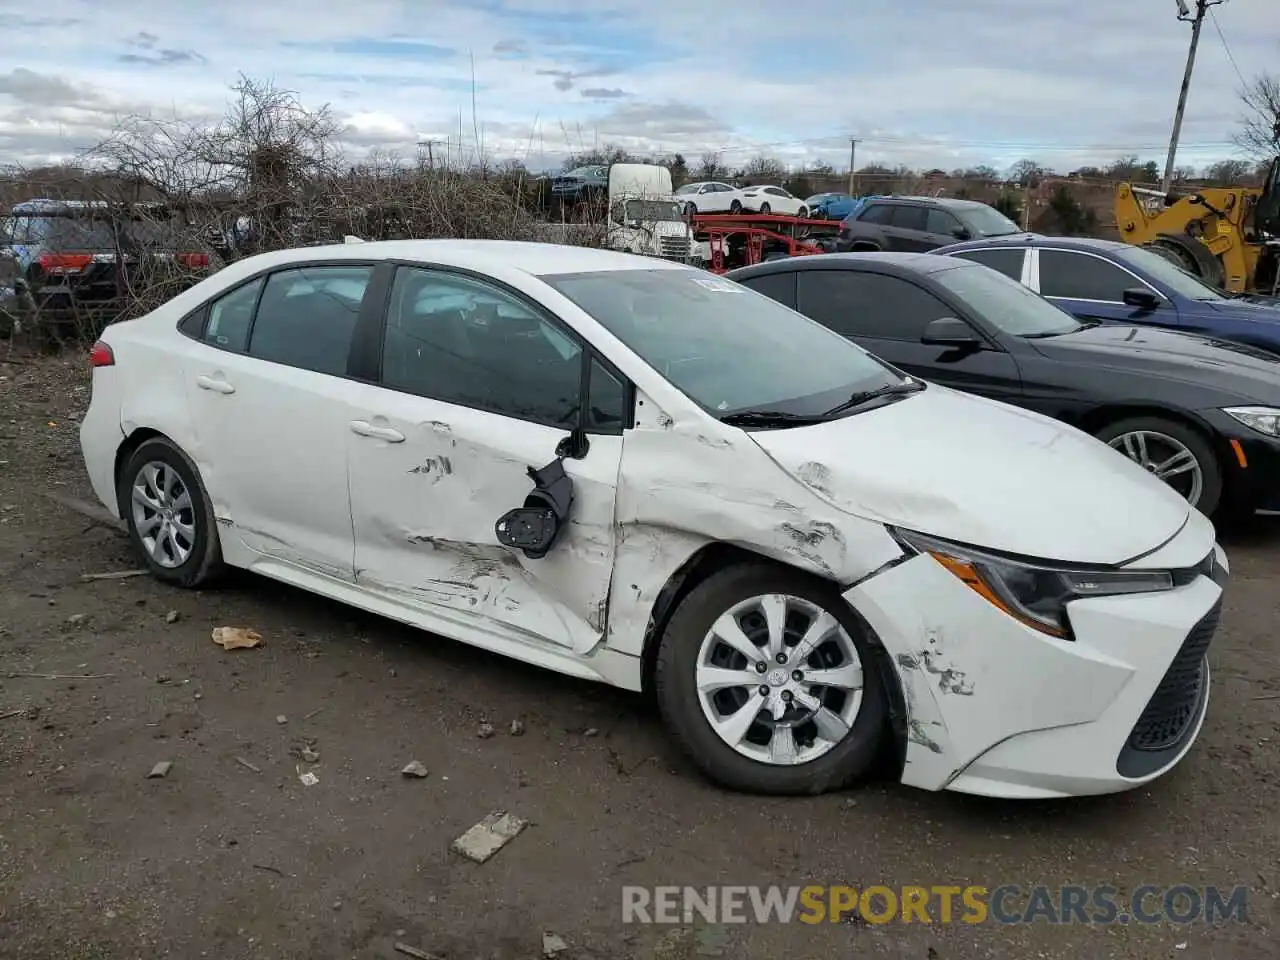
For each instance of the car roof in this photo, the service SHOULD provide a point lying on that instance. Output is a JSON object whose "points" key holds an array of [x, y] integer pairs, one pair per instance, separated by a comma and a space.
{"points": [[535, 259], [1091, 244], [952, 202], [895, 263]]}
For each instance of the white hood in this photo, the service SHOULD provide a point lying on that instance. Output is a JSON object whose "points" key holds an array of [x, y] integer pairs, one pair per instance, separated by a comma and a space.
{"points": [[983, 473]]}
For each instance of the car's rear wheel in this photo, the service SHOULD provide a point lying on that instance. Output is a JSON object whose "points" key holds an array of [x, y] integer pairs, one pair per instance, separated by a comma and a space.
{"points": [[803, 213], [691, 209], [168, 514], [1172, 452], [735, 207], [766, 679]]}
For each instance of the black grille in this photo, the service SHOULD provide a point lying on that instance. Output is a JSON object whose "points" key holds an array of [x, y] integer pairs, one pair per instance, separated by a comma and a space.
{"points": [[1173, 706]]}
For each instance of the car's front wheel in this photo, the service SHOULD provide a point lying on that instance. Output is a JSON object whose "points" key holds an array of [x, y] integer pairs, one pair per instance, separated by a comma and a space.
{"points": [[1172, 452], [766, 679], [168, 513]]}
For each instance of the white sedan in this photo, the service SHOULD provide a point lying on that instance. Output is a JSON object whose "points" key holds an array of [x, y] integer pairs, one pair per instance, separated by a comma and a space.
{"points": [[710, 196], [773, 200], [636, 472]]}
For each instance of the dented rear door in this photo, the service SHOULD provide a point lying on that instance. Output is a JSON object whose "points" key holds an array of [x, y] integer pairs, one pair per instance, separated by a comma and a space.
{"points": [[476, 388]]}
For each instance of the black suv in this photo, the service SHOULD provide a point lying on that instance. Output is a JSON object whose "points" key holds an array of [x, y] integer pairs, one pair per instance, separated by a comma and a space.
{"points": [[916, 224]]}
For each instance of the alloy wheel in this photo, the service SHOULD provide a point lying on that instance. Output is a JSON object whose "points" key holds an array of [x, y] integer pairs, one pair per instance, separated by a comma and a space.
{"points": [[779, 679], [163, 514], [1165, 458]]}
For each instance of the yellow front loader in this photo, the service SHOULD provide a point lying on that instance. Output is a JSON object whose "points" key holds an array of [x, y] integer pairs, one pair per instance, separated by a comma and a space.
{"points": [[1227, 236]]}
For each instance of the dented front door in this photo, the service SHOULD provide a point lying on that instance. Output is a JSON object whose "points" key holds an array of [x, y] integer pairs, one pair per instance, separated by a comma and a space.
{"points": [[478, 386], [429, 481]]}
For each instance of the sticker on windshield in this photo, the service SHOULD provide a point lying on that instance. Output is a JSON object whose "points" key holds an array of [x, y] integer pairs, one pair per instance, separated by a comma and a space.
{"points": [[716, 285]]}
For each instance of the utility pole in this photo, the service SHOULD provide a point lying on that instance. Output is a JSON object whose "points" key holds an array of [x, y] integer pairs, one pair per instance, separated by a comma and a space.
{"points": [[853, 165], [1197, 21]]}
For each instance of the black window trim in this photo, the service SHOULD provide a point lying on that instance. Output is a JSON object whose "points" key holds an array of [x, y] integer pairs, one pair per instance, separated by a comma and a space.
{"points": [[920, 282], [375, 336]]}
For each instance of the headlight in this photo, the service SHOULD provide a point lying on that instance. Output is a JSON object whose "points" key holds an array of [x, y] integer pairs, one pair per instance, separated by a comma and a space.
{"points": [[1263, 419], [1034, 595]]}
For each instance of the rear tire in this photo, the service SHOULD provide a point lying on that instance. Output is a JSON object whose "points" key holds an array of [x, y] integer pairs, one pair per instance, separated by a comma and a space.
{"points": [[169, 516], [839, 726], [735, 207], [1159, 440]]}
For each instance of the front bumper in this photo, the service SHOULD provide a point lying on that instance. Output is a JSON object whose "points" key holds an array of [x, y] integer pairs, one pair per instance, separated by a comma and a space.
{"points": [[998, 709], [1251, 472]]}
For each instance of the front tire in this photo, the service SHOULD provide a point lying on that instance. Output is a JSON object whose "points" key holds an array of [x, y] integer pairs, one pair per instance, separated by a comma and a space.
{"points": [[767, 681], [1174, 453], [169, 516]]}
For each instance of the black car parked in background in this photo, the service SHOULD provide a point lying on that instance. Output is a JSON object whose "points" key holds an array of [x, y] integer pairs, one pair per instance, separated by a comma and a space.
{"points": [[913, 224], [1202, 415]]}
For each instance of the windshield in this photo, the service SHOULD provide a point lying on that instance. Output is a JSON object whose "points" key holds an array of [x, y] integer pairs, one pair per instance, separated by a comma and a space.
{"points": [[728, 348], [652, 210], [1169, 274], [1005, 303], [987, 221]]}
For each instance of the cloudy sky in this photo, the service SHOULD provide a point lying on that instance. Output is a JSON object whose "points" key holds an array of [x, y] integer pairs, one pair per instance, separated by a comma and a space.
{"points": [[927, 82]]}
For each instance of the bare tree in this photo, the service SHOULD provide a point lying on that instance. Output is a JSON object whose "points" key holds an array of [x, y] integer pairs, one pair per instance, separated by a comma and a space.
{"points": [[1226, 173], [711, 167], [1027, 173], [762, 169], [1260, 134]]}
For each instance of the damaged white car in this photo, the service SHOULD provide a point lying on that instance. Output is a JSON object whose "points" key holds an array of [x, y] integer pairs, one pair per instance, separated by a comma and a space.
{"points": [[639, 473]]}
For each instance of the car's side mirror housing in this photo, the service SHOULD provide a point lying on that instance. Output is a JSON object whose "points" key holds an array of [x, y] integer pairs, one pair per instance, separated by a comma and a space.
{"points": [[1141, 298], [960, 233], [950, 332]]}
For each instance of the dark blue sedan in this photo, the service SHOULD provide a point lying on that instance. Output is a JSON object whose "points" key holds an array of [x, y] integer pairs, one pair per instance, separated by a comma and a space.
{"points": [[1112, 282]]}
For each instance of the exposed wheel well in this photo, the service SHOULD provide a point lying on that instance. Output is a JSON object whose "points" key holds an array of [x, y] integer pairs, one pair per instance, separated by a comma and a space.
{"points": [[864, 246], [130, 444], [715, 557]]}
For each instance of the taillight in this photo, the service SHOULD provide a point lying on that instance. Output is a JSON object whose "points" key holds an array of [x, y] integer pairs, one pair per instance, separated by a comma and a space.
{"points": [[194, 260], [64, 262], [101, 355]]}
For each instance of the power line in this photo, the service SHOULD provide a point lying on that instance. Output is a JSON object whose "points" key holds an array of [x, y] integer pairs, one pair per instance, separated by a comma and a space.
{"points": [[1227, 47]]}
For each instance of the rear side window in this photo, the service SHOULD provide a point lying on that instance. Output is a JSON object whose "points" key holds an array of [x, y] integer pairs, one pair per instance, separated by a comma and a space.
{"points": [[1008, 262], [868, 304], [876, 213], [910, 218], [230, 317], [1078, 276], [307, 316], [775, 286]]}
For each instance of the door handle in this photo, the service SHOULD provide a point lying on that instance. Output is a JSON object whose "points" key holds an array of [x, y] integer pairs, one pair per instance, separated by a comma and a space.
{"points": [[217, 386], [364, 428]]}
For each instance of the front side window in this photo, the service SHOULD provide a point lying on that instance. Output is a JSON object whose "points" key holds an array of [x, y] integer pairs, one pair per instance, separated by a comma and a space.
{"points": [[776, 286], [1079, 276], [726, 347], [1004, 303], [856, 304], [985, 221], [944, 223], [1169, 274], [307, 315], [464, 341]]}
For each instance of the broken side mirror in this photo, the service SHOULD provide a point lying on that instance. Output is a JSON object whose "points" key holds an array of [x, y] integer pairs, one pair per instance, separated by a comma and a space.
{"points": [[535, 527], [574, 446]]}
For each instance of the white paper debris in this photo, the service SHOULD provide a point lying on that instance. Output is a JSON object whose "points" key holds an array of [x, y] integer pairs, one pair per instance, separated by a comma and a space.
{"points": [[489, 836]]}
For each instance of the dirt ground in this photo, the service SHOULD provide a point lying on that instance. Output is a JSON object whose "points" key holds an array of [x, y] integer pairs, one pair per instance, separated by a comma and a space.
{"points": [[232, 856]]}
